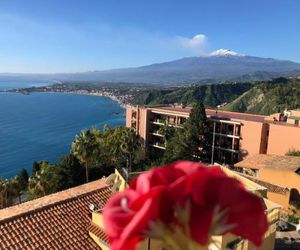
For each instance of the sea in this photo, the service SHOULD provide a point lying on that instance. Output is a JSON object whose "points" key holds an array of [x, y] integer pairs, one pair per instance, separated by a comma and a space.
{"points": [[42, 126]]}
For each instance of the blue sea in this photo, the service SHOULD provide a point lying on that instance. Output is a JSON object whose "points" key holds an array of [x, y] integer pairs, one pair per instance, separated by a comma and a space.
{"points": [[41, 126]]}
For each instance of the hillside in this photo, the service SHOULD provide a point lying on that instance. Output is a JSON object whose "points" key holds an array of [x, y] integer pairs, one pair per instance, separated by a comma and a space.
{"points": [[268, 97], [262, 97], [211, 95]]}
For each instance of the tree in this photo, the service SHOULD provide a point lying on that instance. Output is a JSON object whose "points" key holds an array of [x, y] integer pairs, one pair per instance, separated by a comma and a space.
{"points": [[44, 182], [35, 167], [130, 144], [84, 148], [112, 141], [167, 132], [192, 141], [22, 178], [197, 131], [177, 148], [293, 152], [70, 172]]}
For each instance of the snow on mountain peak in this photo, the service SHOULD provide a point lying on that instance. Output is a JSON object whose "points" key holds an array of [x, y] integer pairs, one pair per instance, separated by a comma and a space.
{"points": [[224, 52]]}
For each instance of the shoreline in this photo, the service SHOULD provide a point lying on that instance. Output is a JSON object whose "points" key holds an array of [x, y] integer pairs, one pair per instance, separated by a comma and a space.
{"points": [[80, 92], [109, 95]]}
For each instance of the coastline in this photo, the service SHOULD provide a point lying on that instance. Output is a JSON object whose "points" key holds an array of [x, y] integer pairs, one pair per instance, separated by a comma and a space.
{"points": [[121, 100], [83, 92]]}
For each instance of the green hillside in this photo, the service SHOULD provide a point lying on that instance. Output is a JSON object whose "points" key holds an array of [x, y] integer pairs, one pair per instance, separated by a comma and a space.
{"points": [[211, 95], [268, 97]]}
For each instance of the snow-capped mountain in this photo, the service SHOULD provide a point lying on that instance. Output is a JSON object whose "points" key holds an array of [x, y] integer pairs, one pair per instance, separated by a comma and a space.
{"points": [[224, 52], [220, 65]]}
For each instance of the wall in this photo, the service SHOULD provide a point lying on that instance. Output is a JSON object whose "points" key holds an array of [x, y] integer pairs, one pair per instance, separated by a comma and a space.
{"points": [[251, 137], [281, 199], [97, 218], [128, 116], [282, 178], [96, 239], [282, 138], [295, 114], [143, 123]]}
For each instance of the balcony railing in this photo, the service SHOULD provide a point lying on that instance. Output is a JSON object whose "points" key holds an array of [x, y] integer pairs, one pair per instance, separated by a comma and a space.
{"points": [[158, 145], [156, 133], [159, 121]]}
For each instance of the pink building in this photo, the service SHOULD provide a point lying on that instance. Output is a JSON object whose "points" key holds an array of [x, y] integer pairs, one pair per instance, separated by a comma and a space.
{"points": [[236, 135]]}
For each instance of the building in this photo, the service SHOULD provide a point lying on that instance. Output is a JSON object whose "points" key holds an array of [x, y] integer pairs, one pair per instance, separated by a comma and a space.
{"points": [[281, 172], [292, 116], [227, 241], [235, 135], [56, 221]]}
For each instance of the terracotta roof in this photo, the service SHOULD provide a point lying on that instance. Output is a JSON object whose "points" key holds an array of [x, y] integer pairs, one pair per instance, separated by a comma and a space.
{"points": [[271, 187], [57, 221], [96, 230], [279, 162]]}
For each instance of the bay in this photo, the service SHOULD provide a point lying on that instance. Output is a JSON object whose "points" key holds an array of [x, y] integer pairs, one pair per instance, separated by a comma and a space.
{"points": [[42, 126], [12, 84]]}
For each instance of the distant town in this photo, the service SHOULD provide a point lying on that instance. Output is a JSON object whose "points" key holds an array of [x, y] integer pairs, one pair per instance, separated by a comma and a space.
{"points": [[112, 93]]}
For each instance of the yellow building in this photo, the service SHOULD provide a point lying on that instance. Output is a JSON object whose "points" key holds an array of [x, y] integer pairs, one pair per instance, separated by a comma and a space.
{"points": [[228, 241], [280, 173]]}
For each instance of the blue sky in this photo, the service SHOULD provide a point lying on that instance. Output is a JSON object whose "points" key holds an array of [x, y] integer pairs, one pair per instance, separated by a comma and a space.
{"points": [[75, 36]]}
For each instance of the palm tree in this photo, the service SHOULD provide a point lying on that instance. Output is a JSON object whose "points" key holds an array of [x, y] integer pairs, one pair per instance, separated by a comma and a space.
{"points": [[84, 148], [130, 142]]}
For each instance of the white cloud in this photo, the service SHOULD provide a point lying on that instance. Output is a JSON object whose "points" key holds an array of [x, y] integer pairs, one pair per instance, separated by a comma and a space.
{"points": [[198, 43]]}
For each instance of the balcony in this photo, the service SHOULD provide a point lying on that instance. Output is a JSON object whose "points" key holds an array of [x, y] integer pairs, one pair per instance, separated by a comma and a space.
{"points": [[156, 133], [225, 135], [158, 122], [162, 122], [158, 145]]}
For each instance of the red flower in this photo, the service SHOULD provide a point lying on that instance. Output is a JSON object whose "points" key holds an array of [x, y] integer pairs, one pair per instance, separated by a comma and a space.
{"points": [[157, 176], [218, 204], [127, 214], [165, 175]]}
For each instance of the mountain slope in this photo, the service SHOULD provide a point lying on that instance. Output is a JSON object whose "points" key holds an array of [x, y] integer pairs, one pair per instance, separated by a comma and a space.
{"points": [[198, 69], [268, 97], [221, 65], [211, 95]]}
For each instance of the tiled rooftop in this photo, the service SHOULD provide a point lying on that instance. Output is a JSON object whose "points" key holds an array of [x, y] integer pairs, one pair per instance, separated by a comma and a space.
{"points": [[96, 230], [57, 221], [280, 162], [271, 187]]}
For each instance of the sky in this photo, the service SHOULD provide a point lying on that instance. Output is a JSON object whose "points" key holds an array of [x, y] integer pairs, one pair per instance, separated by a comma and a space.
{"points": [[39, 36]]}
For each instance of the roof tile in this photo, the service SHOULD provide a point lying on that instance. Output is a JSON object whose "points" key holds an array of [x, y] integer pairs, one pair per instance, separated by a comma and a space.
{"points": [[57, 221]]}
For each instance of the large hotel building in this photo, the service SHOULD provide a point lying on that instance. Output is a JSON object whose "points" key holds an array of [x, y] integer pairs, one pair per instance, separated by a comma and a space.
{"points": [[234, 135]]}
